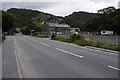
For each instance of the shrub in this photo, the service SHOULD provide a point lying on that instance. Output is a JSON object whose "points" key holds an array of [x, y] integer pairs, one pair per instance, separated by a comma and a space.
{"points": [[110, 43], [53, 36], [75, 37], [41, 36], [79, 37], [59, 38], [115, 47], [35, 33], [72, 36], [80, 42], [99, 44], [95, 43]]}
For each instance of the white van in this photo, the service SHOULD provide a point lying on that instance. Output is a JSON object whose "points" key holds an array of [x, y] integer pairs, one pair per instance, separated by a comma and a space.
{"points": [[105, 32]]}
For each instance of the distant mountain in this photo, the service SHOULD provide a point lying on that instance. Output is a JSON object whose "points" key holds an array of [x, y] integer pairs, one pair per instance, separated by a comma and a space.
{"points": [[78, 19], [92, 22], [24, 15]]}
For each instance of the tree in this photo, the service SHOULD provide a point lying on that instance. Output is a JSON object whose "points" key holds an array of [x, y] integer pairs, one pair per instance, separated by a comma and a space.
{"points": [[32, 25], [0, 22], [116, 24], [106, 10], [8, 21], [93, 24]]}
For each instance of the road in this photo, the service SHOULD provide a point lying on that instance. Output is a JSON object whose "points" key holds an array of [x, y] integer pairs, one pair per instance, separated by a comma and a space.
{"points": [[30, 57]]}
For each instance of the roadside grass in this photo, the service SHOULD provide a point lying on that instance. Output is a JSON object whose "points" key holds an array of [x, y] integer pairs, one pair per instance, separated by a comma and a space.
{"points": [[41, 36], [79, 40]]}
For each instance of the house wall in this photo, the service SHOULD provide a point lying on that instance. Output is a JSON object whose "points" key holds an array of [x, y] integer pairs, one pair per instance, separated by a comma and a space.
{"points": [[61, 30], [46, 29], [55, 30]]}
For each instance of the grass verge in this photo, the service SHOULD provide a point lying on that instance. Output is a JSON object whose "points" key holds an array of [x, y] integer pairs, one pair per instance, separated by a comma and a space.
{"points": [[41, 36], [79, 40]]}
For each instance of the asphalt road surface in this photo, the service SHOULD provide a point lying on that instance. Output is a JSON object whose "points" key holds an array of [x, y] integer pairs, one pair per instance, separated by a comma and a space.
{"points": [[30, 57]]}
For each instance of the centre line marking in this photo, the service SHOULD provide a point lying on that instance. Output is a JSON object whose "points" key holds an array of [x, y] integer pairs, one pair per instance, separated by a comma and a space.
{"points": [[114, 68], [44, 44], [69, 53]]}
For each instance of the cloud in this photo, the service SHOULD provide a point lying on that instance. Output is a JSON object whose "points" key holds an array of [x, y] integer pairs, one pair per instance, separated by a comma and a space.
{"points": [[61, 7], [119, 4], [66, 8], [28, 5]]}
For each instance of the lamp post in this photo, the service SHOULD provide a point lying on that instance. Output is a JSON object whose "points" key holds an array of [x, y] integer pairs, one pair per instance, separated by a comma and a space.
{"points": [[31, 32]]}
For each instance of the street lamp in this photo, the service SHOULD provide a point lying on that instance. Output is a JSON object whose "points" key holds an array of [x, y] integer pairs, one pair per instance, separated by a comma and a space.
{"points": [[31, 32]]}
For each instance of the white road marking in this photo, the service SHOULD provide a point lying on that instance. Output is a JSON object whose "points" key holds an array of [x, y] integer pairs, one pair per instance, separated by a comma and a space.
{"points": [[44, 44], [114, 68], [17, 61], [103, 51], [85, 47], [69, 53]]}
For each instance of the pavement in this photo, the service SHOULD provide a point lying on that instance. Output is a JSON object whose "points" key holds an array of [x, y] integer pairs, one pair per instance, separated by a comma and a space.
{"points": [[31, 57]]}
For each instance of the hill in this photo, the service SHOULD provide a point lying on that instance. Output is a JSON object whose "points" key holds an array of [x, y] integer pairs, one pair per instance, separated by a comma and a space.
{"points": [[24, 15], [78, 19], [105, 19]]}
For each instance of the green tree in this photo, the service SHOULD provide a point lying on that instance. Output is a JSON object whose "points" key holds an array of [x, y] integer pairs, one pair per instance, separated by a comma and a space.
{"points": [[32, 25], [8, 21], [106, 10], [116, 24], [0, 22]]}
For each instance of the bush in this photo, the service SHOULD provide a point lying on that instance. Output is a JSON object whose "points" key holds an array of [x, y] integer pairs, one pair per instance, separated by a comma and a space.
{"points": [[75, 37], [35, 34], [41, 36], [93, 42], [80, 42], [116, 48], [53, 36], [78, 39]]}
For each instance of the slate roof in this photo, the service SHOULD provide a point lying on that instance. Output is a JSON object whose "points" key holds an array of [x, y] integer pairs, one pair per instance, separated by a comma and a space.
{"points": [[57, 25]]}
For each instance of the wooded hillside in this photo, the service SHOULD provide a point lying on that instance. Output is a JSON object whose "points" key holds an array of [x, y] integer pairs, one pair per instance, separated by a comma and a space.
{"points": [[23, 16]]}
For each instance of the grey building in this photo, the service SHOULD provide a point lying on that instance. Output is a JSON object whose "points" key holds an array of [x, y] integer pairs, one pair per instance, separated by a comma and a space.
{"points": [[56, 28]]}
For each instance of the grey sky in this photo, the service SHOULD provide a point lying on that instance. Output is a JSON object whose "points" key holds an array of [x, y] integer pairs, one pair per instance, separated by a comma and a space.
{"points": [[119, 5], [61, 8]]}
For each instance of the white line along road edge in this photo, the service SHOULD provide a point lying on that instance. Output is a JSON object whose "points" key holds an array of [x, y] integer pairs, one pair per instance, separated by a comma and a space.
{"points": [[102, 51], [17, 60], [114, 68], [69, 53]]}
